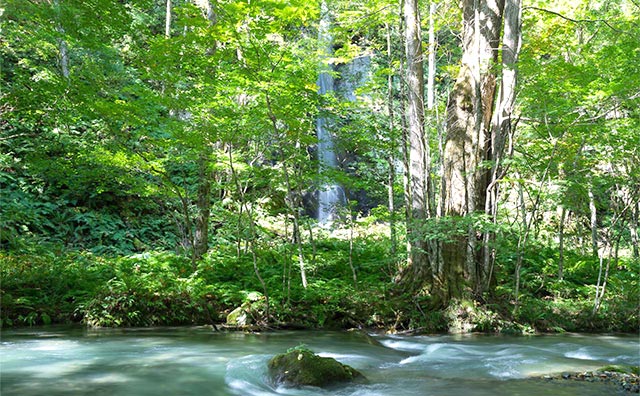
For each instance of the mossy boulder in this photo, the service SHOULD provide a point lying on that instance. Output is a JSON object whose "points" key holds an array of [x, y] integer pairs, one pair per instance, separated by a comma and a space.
{"points": [[301, 367]]}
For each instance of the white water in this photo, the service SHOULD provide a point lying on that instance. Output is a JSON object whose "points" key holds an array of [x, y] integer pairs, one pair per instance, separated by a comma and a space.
{"points": [[187, 361]]}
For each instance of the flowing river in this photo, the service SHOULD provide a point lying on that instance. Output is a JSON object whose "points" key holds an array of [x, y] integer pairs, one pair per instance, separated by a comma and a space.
{"points": [[196, 361]]}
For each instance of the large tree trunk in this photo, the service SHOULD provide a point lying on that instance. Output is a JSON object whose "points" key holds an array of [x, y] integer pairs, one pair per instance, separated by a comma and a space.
{"points": [[469, 142]]}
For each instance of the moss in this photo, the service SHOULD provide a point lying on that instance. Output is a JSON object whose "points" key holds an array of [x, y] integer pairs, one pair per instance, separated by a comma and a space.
{"points": [[301, 367], [621, 369]]}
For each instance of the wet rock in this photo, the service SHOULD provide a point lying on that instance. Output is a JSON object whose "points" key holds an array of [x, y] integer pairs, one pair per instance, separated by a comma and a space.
{"points": [[301, 367], [623, 377]]}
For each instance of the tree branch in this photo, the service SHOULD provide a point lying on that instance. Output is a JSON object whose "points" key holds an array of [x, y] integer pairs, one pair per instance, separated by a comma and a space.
{"points": [[575, 20], [17, 135]]}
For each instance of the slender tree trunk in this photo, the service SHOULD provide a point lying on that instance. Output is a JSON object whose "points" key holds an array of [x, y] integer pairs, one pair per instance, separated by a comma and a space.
{"points": [[167, 20], [502, 125], [391, 180], [633, 230], [203, 203], [405, 159], [252, 230], [522, 242], [563, 217], [63, 48], [593, 221], [417, 270], [601, 286], [431, 76], [351, 246], [292, 201]]}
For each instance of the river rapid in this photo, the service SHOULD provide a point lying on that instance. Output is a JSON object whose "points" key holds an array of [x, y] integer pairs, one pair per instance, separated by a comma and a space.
{"points": [[197, 361]]}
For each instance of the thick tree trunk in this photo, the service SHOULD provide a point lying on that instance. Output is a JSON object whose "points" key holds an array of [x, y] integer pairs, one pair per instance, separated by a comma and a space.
{"points": [[469, 141]]}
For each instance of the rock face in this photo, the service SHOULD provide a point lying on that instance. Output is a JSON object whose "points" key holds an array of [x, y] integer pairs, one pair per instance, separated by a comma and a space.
{"points": [[301, 367]]}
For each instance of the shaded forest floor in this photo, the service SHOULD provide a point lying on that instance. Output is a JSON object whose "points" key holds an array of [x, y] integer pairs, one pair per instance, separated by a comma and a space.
{"points": [[45, 284]]}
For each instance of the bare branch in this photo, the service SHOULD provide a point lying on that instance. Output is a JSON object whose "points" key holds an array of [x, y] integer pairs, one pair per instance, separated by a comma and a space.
{"points": [[17, 135], [575, 20]]}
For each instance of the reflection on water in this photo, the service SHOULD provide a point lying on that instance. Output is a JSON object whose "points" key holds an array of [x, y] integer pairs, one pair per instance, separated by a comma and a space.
{"points": [[181, 361]]}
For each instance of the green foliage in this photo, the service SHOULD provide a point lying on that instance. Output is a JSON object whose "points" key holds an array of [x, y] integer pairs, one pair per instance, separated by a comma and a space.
{"points": [[111, 134], [44, 285], [151, 289]]}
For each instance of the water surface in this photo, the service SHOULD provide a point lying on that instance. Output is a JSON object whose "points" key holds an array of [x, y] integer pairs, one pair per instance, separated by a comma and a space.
{"points": [[197, 361]]}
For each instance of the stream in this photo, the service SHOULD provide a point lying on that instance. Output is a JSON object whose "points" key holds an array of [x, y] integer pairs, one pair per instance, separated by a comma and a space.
{"points": [[197, 361]]}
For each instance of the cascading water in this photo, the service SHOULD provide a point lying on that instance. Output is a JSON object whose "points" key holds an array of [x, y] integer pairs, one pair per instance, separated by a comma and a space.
{"points": [[331, 195]]}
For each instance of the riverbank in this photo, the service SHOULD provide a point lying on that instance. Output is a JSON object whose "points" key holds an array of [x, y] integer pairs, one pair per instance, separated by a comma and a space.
{"points": [[626, 381], [165, 289]]}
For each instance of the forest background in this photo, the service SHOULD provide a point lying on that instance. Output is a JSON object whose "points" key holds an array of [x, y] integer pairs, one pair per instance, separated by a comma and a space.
{"points": [[159, 164]]}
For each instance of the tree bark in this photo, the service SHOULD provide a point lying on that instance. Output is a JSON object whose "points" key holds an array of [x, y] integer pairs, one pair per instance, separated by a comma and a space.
{"points": [[469, 141], [391, 180], [502, 127], [563, 217], [63, 48], [431, 76], [593, 221], [203, 203], [203, 200], [417, 270], [167, 20]]}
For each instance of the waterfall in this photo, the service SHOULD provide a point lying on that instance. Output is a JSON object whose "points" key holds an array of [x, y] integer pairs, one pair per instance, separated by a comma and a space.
{"points": [[331, 195], [353, 74]]}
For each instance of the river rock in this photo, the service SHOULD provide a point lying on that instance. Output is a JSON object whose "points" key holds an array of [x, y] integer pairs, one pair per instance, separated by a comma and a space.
{"points": [[626, 378], [239, 317], [301, 367]]}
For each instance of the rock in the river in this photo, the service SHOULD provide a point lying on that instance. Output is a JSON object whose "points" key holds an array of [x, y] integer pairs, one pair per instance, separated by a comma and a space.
{"points": [[301, 367], [626, 378]]}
